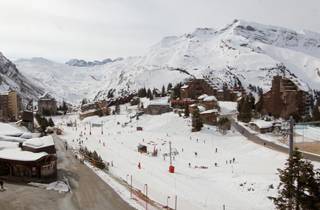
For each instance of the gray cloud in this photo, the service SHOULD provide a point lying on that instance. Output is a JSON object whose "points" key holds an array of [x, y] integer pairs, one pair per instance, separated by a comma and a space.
{"points": [[96, 29]]}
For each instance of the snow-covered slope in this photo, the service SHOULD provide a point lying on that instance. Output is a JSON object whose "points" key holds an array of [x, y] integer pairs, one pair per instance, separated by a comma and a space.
{"points": [[242, 52], [12, 79]]}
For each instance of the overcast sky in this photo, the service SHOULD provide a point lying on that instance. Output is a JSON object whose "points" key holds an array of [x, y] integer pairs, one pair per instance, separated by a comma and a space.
{"points": [[97, 29]]}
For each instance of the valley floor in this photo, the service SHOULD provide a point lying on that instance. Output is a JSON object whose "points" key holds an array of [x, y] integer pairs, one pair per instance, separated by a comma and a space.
{"points": [[242, 185]]}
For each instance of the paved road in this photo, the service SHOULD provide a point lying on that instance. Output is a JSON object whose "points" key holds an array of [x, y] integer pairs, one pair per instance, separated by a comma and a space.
{"points": [[89, 192]]}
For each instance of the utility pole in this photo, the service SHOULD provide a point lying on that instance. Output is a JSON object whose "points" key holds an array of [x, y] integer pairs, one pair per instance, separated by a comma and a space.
{"points": [[175, 202], [170, 153], [101, 127], [146, 187], [32, 124], [131, 187], [291, 121]]}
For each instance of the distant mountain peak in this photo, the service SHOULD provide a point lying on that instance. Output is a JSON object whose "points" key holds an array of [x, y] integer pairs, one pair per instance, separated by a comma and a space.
{"points": [[84, 63], [242, 52]]}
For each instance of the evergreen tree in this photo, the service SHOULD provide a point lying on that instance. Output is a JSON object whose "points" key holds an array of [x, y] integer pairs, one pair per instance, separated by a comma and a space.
{"points": [[149, 93], [163, 92], [196, 121], [316, 112], [299, 186], [176, 91], [64, 107], [84, 101], [117, 109], [154, 92], [142, 92], [169, 87], [245, 109], [186, 111], [225, 92], [259, 105], [43, 123], [50, 122], [224, 124]]}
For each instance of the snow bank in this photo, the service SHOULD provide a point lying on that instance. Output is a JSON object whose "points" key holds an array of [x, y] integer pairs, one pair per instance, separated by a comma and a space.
{"points": [[59, 186]]}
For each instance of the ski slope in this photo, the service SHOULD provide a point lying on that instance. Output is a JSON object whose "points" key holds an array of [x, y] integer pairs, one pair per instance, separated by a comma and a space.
{"points": [[243, 185]]}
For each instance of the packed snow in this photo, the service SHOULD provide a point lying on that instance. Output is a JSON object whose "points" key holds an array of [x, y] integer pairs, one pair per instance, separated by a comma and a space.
{"points": [[211, 169]]}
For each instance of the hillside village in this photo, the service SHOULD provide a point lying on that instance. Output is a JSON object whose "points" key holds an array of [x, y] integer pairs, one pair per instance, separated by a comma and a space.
{"points": [[145, 125], [217, 118]]}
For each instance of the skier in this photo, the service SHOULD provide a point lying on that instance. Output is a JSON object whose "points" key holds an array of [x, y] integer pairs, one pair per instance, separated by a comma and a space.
{"points": [[216, 150], [139, 165]]}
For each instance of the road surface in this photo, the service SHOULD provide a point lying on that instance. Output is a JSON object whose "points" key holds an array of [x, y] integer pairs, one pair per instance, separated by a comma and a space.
{"points": [[89, 192]]}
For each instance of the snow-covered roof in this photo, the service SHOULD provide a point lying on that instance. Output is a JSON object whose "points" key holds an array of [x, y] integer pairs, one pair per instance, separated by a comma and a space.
{"points": [[202, 96], [185, 86], [210, 98], [45, 141], [18, 154], [8, 144], [201, 108], [209, 111], [161, 101], [4, 93], [262, 123], [227, 107], [11, 138]]}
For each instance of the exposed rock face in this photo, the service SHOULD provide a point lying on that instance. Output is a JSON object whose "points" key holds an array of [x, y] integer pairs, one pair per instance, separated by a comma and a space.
{"points": [[83, 63], [11, 78]]}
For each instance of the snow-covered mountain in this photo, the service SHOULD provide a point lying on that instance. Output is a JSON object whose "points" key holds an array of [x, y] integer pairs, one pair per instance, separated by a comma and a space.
{"points": [[83, 63], [12, 79], [242, 52]]}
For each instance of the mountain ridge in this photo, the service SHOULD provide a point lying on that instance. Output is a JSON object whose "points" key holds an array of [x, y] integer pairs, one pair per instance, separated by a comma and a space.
{"points": [[12, 79], [246, 52]]}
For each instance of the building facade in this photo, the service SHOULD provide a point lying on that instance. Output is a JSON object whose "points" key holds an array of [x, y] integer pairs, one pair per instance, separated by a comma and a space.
{"points": [[156, 109], [286, 99], [34, 159], [10, 106], [47, 105], [196, 87]]}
